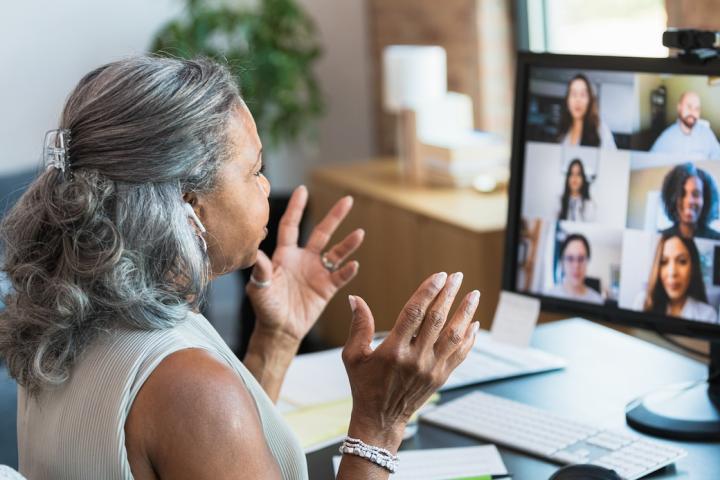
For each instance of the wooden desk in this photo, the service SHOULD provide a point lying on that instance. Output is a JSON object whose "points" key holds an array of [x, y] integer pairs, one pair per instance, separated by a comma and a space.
{"points": [[411, 232], [594, 388]]}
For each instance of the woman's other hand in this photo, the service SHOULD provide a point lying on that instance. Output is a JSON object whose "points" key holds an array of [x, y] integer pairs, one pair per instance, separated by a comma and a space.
{"points": [[391, 382], [300, 285]]}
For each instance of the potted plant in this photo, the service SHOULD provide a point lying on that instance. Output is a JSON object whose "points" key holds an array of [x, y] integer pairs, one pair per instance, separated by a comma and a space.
{"points": [[270, 48]]}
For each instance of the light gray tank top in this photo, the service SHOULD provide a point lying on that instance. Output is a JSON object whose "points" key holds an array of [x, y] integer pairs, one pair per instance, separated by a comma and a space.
{"points": [[77, 430]]}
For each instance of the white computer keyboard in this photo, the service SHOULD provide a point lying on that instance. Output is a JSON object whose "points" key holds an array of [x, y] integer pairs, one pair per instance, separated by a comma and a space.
{"points": [[561, 440]]}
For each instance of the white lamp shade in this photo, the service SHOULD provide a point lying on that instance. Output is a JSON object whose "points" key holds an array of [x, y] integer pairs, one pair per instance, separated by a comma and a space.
{"points": [[413, 75]]}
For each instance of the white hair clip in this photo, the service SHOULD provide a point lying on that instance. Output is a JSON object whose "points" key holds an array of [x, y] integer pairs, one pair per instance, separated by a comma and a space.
{"points": [[55, 149]]}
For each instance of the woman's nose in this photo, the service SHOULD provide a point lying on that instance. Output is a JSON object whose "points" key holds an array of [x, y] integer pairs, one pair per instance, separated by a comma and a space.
{"points": [[266, 186]]}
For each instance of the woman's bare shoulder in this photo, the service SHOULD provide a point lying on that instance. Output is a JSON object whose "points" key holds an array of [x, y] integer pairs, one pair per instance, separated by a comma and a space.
{"points": [[194, 418]]}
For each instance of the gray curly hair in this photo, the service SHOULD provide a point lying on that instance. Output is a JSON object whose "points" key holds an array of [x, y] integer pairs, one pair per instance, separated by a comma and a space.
{"points": [[108, 242]]}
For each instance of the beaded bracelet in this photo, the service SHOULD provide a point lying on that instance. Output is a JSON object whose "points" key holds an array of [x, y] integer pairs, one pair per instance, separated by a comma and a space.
{"points": [[378, 456]]}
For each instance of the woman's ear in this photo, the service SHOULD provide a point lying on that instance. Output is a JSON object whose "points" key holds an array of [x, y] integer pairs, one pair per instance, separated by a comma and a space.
{"points": [[195, 202], [190, 197]]}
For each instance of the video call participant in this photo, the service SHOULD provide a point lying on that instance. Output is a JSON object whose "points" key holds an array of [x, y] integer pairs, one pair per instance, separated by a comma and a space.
{"points": [[689, 135], [580, 122], [690, 197], [676, 286], [574, 259], [575, 202]]}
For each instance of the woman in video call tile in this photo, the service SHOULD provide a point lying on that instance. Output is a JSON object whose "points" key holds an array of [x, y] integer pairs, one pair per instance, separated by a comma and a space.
{"points": [[690, 198], [580, 122], [574, 259], [575, 202], [676, 286]]}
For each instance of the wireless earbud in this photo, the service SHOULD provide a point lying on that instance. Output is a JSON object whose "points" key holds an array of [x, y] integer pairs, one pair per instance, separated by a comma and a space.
{"points": [[191, 213]]}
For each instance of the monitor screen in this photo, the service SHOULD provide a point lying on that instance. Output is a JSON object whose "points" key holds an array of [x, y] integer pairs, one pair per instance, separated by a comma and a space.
{"points": [[614, 194]]}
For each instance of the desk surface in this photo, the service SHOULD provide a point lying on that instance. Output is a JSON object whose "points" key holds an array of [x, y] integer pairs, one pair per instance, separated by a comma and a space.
{"points": [[381, 179], [606, 369]]}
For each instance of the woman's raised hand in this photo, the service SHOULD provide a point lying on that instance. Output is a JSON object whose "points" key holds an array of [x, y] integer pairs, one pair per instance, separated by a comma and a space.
{"points": [[391, 382], [299, 284]]}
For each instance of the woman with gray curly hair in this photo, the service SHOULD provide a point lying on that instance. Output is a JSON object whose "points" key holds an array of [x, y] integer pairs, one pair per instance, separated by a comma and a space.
{"points": [[154, 187]]}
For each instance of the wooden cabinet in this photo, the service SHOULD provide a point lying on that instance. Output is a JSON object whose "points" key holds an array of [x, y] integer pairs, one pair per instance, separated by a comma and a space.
{"points": [[411, 232]]}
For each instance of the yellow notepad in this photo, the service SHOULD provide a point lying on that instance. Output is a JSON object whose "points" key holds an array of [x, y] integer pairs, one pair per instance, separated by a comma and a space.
{"points": [[318, 426]]}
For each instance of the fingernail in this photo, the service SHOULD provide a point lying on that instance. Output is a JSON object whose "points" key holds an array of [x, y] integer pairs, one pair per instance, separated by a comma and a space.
{"points": [[353, 303], [475, 328], [439, 279], [456, 279], [474, 296]]}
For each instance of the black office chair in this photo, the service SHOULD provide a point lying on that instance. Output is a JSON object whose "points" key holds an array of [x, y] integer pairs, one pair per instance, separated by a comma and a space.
{"points": [[246, 315]]}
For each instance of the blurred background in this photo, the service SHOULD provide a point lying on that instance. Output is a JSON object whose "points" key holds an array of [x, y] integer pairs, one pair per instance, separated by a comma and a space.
{"points": [[311, 72]]}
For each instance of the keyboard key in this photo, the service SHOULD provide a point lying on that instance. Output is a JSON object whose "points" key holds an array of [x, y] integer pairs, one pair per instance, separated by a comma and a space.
{"points": [[605, 441], [567, 457]]}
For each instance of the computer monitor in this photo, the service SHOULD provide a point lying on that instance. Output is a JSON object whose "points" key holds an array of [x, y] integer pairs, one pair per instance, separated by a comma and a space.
{"points": [[613, 207]]}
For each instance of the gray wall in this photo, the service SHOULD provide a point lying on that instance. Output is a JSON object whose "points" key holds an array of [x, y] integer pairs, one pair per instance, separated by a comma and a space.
{"points": [[47, 45]]}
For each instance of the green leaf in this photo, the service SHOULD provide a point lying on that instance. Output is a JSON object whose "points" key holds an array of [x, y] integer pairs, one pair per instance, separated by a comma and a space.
{"points": [[271, 52]]}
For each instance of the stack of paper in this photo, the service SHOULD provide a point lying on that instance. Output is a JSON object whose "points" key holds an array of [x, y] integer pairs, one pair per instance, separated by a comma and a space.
{"points": [[465, 154], [450, 150], [316, 400]]}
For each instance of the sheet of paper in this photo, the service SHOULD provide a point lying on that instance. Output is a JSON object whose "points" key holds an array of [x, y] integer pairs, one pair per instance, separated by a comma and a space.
{"points": [[446, 463], [317, 378], [515, 319]]}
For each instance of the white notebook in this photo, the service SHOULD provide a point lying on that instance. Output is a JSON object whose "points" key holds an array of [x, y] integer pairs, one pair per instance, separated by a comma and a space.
{"points": [[445, 463], [317, 378]]}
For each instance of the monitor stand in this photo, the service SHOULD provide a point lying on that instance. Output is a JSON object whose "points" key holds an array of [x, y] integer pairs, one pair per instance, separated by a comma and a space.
{"points": [[688, 411]]}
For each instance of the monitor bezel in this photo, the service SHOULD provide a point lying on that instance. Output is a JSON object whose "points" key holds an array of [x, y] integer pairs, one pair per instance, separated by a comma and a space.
{"points": [[525, 61]]}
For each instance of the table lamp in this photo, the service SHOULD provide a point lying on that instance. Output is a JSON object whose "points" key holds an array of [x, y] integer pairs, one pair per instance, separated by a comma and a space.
{"points": [[412, 76]]}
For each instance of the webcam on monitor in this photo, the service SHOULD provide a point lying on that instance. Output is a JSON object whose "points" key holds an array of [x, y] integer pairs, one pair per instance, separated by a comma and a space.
{"points": [[695, 45]]}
